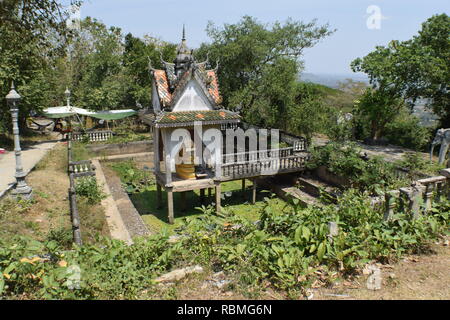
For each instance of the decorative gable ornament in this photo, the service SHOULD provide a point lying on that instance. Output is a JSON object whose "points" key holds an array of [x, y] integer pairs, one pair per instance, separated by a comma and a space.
{"points": [[187, 86]]}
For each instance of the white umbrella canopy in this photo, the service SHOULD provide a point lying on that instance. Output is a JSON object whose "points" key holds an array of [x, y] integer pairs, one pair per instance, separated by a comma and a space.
{"points": [[67, 111]]}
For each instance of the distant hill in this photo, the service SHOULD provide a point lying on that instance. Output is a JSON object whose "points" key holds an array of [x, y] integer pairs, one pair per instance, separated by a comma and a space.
{"points": [[337, 98], [328, 86], [331, 80]]}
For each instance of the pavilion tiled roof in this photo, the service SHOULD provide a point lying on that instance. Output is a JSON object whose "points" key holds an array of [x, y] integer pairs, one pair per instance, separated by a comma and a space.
{"points": [[213, 86], [171, 82], [187, 118], [165, 79], [162, 85], [181, 84], [170, 72]]}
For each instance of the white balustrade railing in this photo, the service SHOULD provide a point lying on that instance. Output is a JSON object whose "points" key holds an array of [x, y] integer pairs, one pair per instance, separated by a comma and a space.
{"points": [[93, 136], [83, 166], [257, 155], [419, 197], [266, 166], [225, 126]]}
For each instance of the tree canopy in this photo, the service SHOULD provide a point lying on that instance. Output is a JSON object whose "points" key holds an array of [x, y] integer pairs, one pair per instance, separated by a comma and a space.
{"points": [[32, 34], [416, 68], [103, 68], [259, 66]]}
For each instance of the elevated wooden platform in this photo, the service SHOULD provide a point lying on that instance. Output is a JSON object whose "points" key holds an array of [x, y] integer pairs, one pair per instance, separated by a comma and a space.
{"points": [[236, 171], [250, 169], [182, 185], [264, 167]]}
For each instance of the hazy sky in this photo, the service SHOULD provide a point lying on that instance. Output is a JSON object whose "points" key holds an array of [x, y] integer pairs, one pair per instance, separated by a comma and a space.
{"points": [[401, 19]]}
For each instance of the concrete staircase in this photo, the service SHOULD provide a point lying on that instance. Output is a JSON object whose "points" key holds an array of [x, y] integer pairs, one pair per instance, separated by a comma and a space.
{"points": [[316, 187], [306, 188]]}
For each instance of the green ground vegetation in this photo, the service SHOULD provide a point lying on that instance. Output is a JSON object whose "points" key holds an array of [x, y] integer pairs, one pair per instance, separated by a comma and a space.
{"points": [[141, 187], [128, 130], [47, 216], [415, 162], [286, 251], [373, 175]]}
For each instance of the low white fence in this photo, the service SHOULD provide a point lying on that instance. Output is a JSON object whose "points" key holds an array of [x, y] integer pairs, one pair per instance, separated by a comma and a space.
{"points": [[92, 136], [419, 197]]}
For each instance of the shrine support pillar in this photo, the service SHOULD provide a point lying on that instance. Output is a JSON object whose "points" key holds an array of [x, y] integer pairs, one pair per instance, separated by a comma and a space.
{"points": [[156, 156], [170, 205], [202, 196], [254, 192], [218, 196], [183, 201], [209, 193], [158, 196]]}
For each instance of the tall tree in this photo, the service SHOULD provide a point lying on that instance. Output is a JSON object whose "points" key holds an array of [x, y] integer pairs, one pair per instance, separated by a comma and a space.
{"points": [[95, 59], [32, 33], [416, 68], [137, 55], [378, 107], [259, 65]]}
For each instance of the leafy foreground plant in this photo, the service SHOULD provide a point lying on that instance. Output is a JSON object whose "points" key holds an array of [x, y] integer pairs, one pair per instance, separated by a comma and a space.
{"points": [[415, 162], [87, 187], [344, 159], [287, 251], [32, 269], [133, 179]]}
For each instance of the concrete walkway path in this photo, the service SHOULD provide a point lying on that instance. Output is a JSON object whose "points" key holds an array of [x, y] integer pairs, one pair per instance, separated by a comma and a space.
{"points": [[117, 228], [31, 155], [389, 152]]}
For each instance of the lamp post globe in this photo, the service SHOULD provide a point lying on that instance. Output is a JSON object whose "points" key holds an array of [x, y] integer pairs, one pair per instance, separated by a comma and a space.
{"points": [[21, 190], [67, 94], [13, 98]]}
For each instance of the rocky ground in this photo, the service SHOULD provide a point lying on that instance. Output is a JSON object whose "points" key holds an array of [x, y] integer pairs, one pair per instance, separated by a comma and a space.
{"points": [[421, 277]]}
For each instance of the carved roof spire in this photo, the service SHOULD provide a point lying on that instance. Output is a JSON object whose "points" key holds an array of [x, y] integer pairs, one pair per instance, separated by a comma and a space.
{"points": [[184, 55]]}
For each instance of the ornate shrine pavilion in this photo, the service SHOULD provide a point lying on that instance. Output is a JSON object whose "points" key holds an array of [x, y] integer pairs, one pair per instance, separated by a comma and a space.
{"points": [[185, 94]]}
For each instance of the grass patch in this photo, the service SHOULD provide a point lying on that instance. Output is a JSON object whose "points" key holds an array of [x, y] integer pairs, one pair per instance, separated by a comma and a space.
{"points": [[141, 187], [80, 152], [13, 218], [27, 137], [128, 136], [47, 216], [92, 220], [54, 160]]}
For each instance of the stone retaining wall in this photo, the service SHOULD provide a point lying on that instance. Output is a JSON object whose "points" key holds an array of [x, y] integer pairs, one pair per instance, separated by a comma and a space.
{"points": [[121, 148], [326, 176]]}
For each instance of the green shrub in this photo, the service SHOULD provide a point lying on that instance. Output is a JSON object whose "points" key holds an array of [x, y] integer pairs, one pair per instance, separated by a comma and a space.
{"points": [[416, 162], [87, 187], [407, 132], [344, 159], [289, 250], [134, 179], [63, 236], [80, 152], [403, 130], [340, 129], [114, 270]]}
